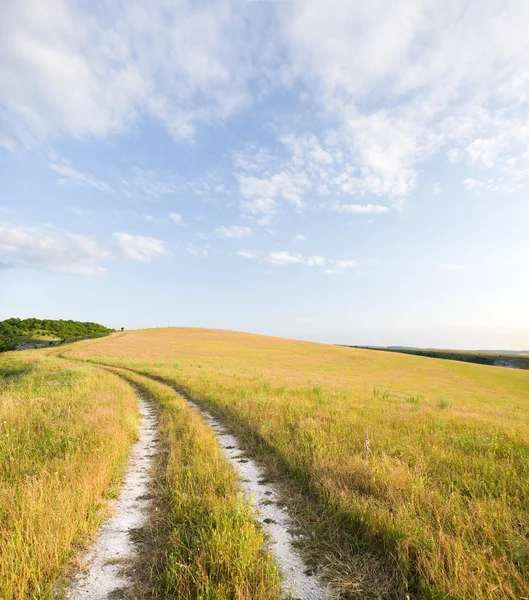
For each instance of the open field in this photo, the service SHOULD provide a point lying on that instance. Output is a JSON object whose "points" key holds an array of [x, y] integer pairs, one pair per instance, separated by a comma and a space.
{"points": [[435, 506]]}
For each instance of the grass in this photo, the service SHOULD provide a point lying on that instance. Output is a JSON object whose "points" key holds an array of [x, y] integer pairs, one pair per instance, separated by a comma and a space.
{"points": [[64, 439], [65, 432], [438, 507], [212, 548]]}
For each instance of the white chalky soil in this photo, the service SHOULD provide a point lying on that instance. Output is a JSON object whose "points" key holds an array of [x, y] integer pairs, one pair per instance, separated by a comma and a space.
{"points": [[273, 518], [111, 555], [108, 560]]}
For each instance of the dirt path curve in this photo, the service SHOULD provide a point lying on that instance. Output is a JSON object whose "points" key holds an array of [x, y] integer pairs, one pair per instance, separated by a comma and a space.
{"points": [[106, 575], [297, 582]]}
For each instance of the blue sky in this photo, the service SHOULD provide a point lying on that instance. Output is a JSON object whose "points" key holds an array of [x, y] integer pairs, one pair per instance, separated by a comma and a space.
{"points": [[336, 171]]}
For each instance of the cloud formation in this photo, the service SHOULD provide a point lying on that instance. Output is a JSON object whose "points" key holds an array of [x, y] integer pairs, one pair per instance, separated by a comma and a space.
{"points": [[284, 257], [85, 74], [70, 175], [52, 249], [387, 93], [236, 232]]}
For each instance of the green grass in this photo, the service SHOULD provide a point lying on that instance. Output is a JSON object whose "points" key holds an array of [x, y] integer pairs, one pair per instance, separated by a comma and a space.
{"points": [[64, 439], [438, 507]]}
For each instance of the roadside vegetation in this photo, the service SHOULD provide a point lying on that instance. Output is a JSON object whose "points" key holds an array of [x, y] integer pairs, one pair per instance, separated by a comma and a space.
{"points": [[65, 433], [410, 475]]}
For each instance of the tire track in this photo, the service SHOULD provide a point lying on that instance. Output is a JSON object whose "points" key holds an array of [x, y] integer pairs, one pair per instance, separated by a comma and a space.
{"points": [[298, 582], [106, 572]]}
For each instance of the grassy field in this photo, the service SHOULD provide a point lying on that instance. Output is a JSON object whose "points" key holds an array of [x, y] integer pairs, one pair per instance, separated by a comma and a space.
{"points": [[65, 432], [436, 505], [64, 438]]}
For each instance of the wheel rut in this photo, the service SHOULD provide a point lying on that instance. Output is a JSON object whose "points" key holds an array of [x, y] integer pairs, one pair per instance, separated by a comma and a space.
{"points": [[107, 575], [298, 582], [106, 572]]}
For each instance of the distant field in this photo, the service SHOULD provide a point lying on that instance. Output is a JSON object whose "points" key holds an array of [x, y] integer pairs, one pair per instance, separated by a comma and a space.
{"points": [[409, 475], [514, 360]]}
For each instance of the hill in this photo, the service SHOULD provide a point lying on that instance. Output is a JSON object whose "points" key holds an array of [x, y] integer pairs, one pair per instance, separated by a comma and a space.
{"points": [[404, 477], [34, 333], [408, 476]]}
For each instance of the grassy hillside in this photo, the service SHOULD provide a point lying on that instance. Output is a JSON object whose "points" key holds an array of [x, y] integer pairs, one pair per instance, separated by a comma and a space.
{"points": [[435, 504], [40, 332]]}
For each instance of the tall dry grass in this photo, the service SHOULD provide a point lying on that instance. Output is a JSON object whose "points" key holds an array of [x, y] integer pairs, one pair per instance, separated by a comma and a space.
{"points": [[65, 432]]}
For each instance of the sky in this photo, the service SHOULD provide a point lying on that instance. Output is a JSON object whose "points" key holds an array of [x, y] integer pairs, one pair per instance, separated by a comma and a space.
{"points": [[337, 171]]}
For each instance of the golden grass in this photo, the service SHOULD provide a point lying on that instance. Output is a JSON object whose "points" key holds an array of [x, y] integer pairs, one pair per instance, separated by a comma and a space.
{"points": [[64, 439], [442, 496]]}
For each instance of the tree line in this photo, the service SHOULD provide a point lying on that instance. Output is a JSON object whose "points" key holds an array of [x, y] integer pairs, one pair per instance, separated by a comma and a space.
{"points": [[13, 329]]}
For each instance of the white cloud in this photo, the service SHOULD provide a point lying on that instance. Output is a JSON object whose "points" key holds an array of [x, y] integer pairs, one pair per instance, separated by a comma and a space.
{"points": [[340, 265], [286, 185], [138, 247], [284, 258], [451, 74], [452, 77], [452, 267], [346, 264], [74, 176], [359, 209], [176, 218], [315, 261], [48, 248], [70, 71], [437, 189], [311, 168], [300, 237], [492, 184], [195, 250], [235, 231], [454, 155], [150, 183], [261, 208]]}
